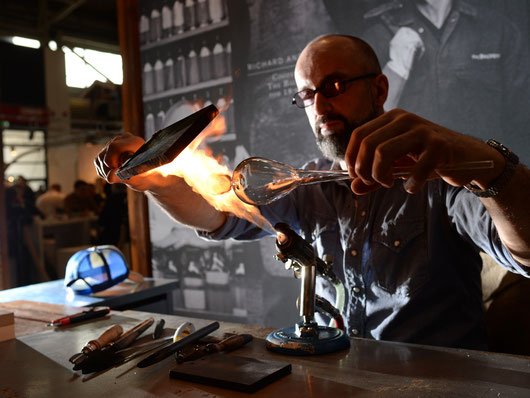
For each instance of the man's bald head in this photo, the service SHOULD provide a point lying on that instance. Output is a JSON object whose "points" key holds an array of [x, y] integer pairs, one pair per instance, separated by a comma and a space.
{"points": [[359, 52]]}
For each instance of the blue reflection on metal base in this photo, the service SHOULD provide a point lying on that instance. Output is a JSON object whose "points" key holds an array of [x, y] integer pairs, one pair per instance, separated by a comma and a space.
{"points": [[289, 341]]}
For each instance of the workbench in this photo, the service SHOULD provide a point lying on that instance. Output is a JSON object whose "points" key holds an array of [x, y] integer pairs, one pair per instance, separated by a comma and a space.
{"points": [[36, 365], [151, 295]]}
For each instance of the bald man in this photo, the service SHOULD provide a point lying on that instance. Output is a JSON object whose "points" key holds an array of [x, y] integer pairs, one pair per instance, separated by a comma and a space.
{"points": [[406, 250]]}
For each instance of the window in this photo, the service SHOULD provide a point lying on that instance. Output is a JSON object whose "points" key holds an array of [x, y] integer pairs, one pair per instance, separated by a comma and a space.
{"points": [[80, 74], [25, 155]]}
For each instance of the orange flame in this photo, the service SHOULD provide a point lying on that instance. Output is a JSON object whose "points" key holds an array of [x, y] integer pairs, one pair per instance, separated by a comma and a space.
{"points": [[211, 179]]}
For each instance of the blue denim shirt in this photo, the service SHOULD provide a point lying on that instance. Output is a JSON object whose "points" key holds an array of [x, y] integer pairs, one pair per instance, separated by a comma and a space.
{"points": [[410, 263]]}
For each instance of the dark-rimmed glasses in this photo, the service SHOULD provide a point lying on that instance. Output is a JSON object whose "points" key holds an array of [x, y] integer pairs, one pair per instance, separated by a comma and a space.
{"points": [[330, 89]]}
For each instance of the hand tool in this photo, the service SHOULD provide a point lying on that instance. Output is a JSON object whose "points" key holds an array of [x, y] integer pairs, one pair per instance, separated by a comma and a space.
{"points": [[229, 344], [174, 347], [132, 334], [184, 329], [166, 144], [110, 358], [80, 316], [104, 339], [102, 355], [158, 329], [148, 346], [154, 344], [107, 358]]}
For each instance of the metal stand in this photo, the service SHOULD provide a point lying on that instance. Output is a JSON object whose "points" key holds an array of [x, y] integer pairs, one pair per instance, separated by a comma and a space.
{"points": [[305, 337]]}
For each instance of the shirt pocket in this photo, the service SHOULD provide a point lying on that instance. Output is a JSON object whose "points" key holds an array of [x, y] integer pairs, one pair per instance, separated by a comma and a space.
{"points": [[480, 75], [399, 257]]}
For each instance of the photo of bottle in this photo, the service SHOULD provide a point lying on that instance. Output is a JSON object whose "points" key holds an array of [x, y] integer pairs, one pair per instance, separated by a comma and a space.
{"points": [[167, 20], [205, 63], [178, 17]]}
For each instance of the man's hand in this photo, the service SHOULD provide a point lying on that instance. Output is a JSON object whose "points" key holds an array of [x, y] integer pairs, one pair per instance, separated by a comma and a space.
{"points": [[114, 154], [404, 46], [399, 138]]}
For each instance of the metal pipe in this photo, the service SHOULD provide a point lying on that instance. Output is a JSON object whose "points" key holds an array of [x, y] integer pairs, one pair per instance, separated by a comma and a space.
{"points": [[307, 292]]}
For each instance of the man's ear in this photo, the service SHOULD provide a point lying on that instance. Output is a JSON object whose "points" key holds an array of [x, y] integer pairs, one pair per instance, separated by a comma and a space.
{"points": [[381, 89]]}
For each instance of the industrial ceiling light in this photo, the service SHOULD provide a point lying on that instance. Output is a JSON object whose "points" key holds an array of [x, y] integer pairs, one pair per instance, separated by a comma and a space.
{"points": [[25, 42]]}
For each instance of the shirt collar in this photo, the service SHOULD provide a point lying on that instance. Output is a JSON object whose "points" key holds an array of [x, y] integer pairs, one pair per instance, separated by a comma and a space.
{"points": [[461, 6]]}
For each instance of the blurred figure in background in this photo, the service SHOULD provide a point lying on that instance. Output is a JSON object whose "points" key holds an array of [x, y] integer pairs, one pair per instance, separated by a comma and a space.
{"points": [[113, 219], [51, 202], [26, 197], [80, 203], [26, 267]]}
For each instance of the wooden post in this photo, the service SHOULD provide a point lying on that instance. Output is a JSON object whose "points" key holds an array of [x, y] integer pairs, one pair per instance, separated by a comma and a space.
{"points": [[133, 123], [5, 282]]}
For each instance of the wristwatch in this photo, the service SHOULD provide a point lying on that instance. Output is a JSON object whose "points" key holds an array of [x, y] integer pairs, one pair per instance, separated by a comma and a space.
{"points": [[500, 182]]}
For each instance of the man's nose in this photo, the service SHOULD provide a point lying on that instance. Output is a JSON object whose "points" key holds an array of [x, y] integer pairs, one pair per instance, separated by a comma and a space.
{"points": [[321, 104]]}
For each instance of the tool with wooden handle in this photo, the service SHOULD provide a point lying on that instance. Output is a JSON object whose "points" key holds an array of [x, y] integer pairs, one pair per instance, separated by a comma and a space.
{"points": [[130, 335], [229, 344], [159, 328], [107, 337], [106, 355]]}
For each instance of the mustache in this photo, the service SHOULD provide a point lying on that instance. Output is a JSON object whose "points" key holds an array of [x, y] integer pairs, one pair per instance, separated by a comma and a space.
{"points": [[329, 118]]}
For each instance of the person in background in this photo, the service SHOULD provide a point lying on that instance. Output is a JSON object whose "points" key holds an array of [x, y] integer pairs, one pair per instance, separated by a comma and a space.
{"points": [[51, 202], [113, 220], [406, 248], [25, 266], [80, 202], [40, 191], [27, 199]]}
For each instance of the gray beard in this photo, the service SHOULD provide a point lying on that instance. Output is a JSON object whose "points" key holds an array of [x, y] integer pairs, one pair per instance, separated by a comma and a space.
{"points": [[334, 146]]}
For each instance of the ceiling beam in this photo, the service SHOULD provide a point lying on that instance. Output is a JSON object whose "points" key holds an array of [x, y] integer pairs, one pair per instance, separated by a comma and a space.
{"points": [[66, 11], [67, 39]]}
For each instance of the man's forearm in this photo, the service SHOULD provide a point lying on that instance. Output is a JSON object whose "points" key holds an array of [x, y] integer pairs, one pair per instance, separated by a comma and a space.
{"points": [[509, 212], [186, 206]]}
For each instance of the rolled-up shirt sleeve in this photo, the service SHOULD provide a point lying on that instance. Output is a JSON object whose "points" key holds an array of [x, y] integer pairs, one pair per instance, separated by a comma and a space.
{"points": [[235, 228], [474, 224]]}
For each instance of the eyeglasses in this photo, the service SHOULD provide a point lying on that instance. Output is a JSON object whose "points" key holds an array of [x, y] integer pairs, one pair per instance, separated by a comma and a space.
{"points": [[330, 89]]}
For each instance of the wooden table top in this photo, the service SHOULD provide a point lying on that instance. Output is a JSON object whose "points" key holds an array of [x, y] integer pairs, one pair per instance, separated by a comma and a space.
{"points": [[36, 364]]}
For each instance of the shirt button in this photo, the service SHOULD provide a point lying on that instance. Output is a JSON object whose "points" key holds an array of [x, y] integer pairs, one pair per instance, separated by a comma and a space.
{"points": [[397, 243], [355, 332], [356, 289], [353, 253], [420, 30], [363, 213]]}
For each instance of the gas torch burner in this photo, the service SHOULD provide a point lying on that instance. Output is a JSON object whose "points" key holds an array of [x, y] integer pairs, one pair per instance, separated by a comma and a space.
{"points": [[306, 337]]}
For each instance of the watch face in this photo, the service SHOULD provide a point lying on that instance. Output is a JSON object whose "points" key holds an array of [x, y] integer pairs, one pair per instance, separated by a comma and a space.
{"points": [[508, 154]]}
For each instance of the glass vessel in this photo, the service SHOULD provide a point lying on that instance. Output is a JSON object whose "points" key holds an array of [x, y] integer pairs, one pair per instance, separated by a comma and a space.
{"points": [[260, 181]]}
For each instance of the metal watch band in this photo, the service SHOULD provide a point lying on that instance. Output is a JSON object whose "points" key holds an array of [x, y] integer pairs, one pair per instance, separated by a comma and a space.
{"points": [[500, 182]]}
